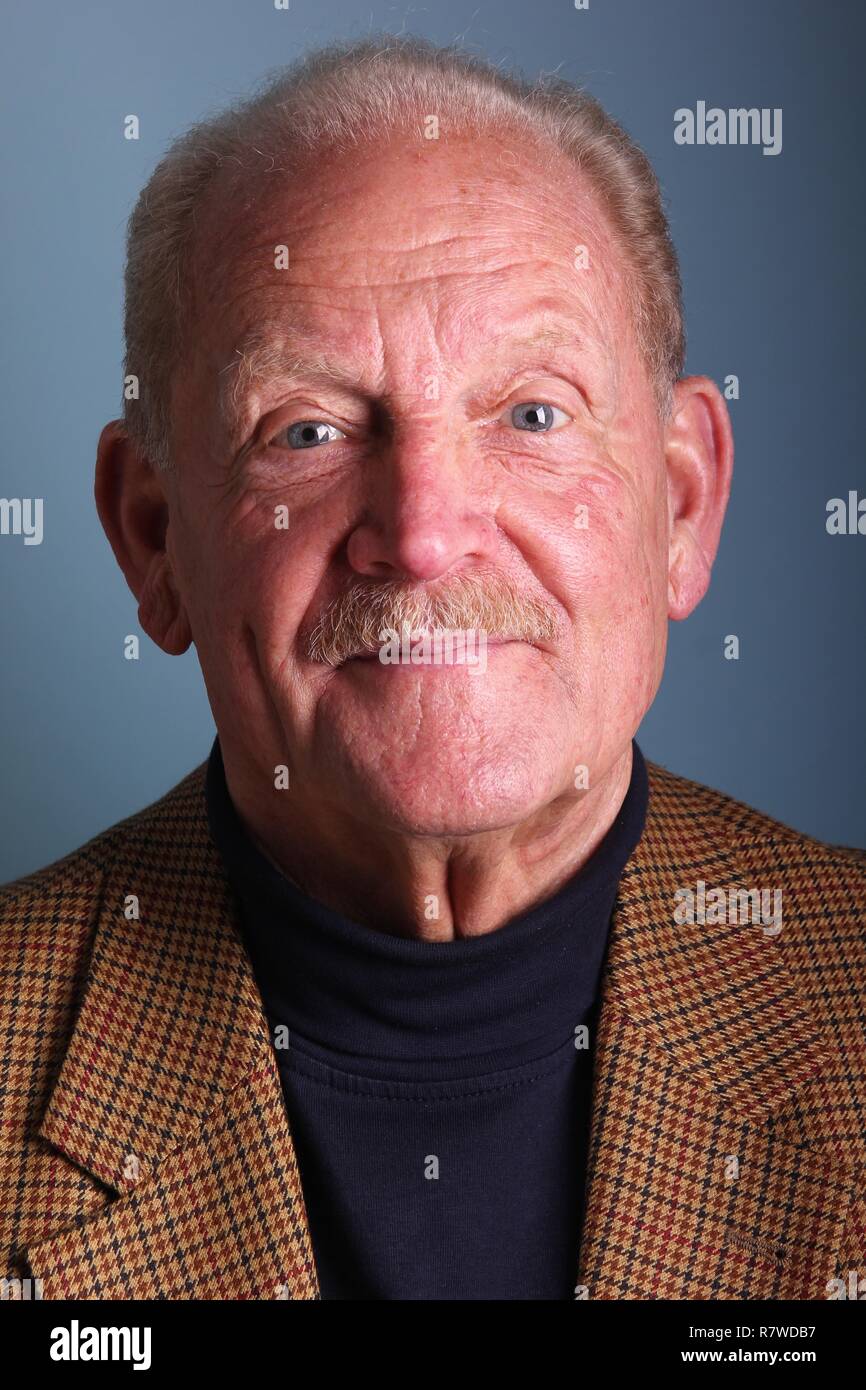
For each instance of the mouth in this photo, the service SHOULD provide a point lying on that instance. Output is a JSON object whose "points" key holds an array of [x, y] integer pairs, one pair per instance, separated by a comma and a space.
{"points": [[373, 657]]}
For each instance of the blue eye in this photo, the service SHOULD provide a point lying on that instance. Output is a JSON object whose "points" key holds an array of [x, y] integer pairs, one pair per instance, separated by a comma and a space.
{"points": [[306, 434], [535, 416]]}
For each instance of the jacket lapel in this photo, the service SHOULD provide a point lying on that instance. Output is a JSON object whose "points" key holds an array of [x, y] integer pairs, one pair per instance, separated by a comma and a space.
{"points": [[169, 1095], [707, 1178]]}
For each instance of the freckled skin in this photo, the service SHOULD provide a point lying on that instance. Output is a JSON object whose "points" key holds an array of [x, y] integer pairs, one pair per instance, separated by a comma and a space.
{"points": [[413, 262]]}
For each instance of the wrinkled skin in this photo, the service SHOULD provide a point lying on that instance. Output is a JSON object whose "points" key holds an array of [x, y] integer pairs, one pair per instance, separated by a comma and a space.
{"points": [[414, 262]]}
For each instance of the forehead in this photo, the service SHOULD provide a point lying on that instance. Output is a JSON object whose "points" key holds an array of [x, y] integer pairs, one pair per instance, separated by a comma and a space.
{"points": [[449, 238]]}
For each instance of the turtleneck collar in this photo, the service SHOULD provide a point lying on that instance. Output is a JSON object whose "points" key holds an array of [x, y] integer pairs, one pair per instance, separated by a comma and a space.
{"points": [[398, 1007]]}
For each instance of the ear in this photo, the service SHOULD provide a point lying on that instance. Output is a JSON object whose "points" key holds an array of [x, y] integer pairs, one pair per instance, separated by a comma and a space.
{"points": [[699, 458], [133, 508]]}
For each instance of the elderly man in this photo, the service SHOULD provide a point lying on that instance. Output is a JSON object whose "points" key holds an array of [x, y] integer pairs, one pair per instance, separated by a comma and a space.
{"points": [[426, 985]]}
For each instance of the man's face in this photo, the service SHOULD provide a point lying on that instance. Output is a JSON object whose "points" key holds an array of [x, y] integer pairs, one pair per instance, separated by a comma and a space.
{"points": [[421, 272]]}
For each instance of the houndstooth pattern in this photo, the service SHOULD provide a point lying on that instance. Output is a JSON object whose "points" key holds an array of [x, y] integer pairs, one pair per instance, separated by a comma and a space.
{"points": [[145, 1149]]}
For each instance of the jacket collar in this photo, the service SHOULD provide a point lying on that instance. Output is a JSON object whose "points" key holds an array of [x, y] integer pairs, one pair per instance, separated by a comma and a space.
{"points": [[169, 1096]]}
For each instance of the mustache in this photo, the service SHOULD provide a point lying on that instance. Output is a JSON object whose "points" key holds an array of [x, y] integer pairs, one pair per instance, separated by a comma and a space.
{"points": [[352, 624]]}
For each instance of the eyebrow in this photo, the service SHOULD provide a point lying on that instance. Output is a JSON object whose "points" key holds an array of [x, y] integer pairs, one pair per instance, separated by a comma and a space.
{"points": [[262, 359]]}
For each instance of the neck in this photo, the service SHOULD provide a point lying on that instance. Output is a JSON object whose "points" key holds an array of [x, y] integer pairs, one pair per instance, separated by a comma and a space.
{"points": [[431, 888]]}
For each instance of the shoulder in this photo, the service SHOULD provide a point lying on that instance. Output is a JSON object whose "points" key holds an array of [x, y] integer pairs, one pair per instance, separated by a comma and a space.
{"points": [[50, 923], [73, 882], [698, 832], [683, 804]]}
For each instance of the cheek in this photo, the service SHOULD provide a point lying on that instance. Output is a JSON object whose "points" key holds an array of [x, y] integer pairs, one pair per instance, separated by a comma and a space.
{"points": [[620, 633], [266, 564], [623, 578], [602, 549], [239, 582], [270, 592], [621, 628], [603, 554]]}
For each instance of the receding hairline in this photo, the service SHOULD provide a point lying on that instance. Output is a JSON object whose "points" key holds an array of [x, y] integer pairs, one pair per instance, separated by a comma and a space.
{"points": [[214, 234]]}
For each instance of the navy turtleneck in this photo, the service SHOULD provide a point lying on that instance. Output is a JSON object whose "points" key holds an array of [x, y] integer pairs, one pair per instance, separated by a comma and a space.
{"points": [[438, 1092]]}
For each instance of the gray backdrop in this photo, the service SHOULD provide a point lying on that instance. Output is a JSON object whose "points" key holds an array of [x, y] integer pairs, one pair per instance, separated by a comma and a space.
{"points": [[771, 251]]}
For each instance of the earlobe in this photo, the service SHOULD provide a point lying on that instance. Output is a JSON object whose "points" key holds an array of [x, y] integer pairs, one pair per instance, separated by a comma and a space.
{"points": [[699, 458], [689, 571], [161, 611], [133, 509]]}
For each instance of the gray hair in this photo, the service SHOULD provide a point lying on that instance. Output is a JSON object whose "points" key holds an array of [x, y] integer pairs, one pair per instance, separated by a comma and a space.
{"points": [[347, 93]]}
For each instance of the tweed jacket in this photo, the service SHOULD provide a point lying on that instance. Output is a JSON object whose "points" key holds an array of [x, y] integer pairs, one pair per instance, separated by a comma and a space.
{"points": [[145, 1147]]}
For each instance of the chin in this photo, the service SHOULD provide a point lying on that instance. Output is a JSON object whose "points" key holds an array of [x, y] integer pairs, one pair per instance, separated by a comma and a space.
{"points": [[448, 757], [467, 798]]}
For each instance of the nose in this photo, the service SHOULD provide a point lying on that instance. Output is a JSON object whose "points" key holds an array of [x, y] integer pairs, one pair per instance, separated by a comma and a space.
{"points": [[421, 519]]}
